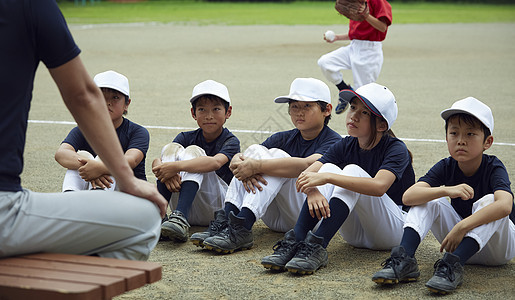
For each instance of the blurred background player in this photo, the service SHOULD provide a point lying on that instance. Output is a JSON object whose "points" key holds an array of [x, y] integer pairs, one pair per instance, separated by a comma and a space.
{"points": [[364, 55]]}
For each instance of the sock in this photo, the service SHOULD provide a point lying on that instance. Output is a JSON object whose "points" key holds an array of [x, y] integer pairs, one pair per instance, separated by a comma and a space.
{"points": [[466, 249], [230, 207], [163, 191], [343, 86], [304, 223], [410, 241], [329, 226], [186, 196], [249, 217]]}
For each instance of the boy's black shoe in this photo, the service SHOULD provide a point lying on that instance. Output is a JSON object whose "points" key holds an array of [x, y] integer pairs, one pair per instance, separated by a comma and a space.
{"points": [[176, 228], [448, 274], [234, 237], [284, 251], [216, 226], [399, 267], [342, 103], [310, 256], [161, 236]]}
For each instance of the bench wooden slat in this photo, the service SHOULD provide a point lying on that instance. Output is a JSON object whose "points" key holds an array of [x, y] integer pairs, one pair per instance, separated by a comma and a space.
{"points": [[153, 270], [111, 286], [133, 278], [65, 276], [30, 288]]}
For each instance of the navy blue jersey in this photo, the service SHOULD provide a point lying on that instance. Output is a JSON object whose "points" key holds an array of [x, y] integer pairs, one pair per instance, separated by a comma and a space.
{"points": [[295, 145], [389, 154], [490, 177], [30, 31], [227, 144], [131, 136]]}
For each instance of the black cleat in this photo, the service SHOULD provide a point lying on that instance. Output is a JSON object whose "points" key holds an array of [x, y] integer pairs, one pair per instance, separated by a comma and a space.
{"points": [[399, 267], [448, 275], [284, 251]]}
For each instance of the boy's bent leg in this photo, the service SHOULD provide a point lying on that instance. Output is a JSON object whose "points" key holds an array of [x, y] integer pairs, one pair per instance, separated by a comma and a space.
{"points": [[373, 222], [496, 239], [73, 182], [109, 224]]}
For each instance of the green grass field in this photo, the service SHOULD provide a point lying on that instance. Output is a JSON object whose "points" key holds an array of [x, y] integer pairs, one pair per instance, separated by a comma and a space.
{"points": [[308, 13]]}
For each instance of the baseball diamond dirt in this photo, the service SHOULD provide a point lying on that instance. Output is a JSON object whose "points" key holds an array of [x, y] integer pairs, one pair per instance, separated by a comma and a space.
{"points": [[427, 67]]}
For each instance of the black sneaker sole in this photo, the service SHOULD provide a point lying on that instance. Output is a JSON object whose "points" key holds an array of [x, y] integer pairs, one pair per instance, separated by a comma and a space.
{"points": [[390, 281], [273, 267], [198, 243], [440, 291], [227, 251], [303, 271]]}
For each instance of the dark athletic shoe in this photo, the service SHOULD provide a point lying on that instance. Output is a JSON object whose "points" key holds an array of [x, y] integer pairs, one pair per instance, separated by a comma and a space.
{"points": [[216, 226], [234, 237], [448, 275], [342, 104], [162, 237], [284, 251], [176, 228], [310, 256], [399, 267]]}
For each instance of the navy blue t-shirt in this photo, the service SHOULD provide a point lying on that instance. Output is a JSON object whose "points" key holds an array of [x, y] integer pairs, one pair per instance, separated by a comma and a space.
{"points": [[295, 145], [131, 136], [227, 144], [31, 31], [490, 177], [389, 154]]}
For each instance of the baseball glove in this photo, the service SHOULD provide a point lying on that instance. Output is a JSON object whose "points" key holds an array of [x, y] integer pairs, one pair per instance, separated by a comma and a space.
{"points": [[356, 10]]}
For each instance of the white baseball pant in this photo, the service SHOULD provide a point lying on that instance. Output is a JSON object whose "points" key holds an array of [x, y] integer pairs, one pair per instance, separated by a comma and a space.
{"points": [[110, 224], [373, 222], [73, 182], [278, 204], [212, 189], [364, 58], [496, 239]]}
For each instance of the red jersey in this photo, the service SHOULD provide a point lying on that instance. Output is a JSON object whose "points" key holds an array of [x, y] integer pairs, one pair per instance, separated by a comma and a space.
{"points": [[380, 9]]}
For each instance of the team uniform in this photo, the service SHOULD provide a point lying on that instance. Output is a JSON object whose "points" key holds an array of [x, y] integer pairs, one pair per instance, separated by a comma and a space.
{"points": [[212, 185], [496, 239], [109, 224], [373, 222], [364, 55], [279, 203], [131, 136]]}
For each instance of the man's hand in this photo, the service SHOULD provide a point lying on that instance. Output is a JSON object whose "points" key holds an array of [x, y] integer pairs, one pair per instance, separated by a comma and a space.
{"points": [[146, 190]]}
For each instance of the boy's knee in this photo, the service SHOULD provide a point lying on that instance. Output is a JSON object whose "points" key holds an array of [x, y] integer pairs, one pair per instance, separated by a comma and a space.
{"points": [[330, 168], [193, 151], [170, 151], [85, 154], [256, 151], [482, 202]]}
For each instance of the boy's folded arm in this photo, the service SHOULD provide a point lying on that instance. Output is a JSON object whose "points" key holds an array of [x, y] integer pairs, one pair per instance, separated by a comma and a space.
{"points": [[203, 164], [287, 167], [500, 208], [67, 157], [134, 157], [421, 192]]}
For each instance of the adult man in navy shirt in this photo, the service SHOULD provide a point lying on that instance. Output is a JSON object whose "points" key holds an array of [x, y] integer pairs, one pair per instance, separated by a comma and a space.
{"points": [[34, 31]]}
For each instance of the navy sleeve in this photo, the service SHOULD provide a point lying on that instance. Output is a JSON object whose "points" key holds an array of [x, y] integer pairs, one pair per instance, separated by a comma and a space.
{"points": [[334, 154], [77, 140], [54, 42], [396, 159], [230, 147], [140, 139], [434, 176]]}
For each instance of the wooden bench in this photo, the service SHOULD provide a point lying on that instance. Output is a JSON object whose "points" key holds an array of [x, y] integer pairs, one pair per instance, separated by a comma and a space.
{"points": [[64, 276]]}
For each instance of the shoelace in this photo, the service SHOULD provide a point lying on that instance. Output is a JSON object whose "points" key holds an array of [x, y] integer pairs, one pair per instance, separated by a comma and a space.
{"points": [[216, 226], [392, 262], [283, 246], [305, 249], [444, 269]]}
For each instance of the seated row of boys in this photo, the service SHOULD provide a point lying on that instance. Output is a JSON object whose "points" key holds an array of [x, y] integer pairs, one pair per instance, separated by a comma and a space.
{"points": [[309, 182]]}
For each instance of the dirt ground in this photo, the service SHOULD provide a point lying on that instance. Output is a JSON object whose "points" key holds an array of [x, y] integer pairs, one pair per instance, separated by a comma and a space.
{"points": [[426, 66]]}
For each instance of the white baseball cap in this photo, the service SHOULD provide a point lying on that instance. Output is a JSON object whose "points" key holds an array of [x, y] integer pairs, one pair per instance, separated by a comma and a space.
{"points": [[210, 87], [307, 89], [474, 107], [377, 98], [113, 80]]}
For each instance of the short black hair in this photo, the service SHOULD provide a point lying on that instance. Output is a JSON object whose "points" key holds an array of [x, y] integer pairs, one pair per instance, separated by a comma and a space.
{"points": [[471, 121], [211, 98]]}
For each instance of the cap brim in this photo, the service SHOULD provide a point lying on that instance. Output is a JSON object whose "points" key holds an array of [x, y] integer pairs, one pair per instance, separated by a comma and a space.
{"points": [[348, 95], [286, 99], [110, 86], [200, 95], [446, 114]]}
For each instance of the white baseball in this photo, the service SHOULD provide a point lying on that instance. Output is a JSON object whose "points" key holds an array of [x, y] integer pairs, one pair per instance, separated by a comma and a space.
{"points": [[329, 35]]}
